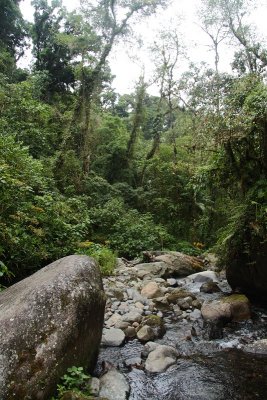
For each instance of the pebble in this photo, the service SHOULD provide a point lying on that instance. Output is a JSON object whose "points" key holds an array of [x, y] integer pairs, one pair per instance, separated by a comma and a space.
{"points": [[115, 318], [108, 314], [172, 282], [195, 314], [139, 305], [148, 312], [159, 280], [94, 386], [121, 325], [123, 307], [196, 304], [133, 361], [130, 332]]}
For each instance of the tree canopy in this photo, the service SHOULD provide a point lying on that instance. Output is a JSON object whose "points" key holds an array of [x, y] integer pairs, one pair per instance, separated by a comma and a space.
{"points": [[82, 165]]}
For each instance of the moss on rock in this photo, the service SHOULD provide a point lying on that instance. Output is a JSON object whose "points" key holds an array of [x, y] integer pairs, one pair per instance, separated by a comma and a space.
{"points": [[154, 322], [48, 323]]}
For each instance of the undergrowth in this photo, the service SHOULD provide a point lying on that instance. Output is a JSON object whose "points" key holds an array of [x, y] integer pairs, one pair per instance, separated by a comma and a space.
{"points": [[75, 380], [105, 257]]}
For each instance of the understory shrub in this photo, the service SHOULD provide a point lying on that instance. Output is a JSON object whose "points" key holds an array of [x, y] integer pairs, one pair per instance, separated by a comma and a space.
{"points": [[191, 249], [105, 257], [75, 381], [134, 232], [37, 225], [128, 231], [4, 274], [244, 237]]}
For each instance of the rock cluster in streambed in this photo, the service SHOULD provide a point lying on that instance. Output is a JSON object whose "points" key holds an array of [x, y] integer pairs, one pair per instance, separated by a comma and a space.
{"points": [[141, 295]]}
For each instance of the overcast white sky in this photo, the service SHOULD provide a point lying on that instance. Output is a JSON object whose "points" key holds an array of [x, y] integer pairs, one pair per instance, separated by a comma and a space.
{"points": [[127, 62]]}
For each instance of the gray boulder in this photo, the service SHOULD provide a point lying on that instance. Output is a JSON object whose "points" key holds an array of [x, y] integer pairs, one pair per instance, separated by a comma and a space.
{"points": [[169, 265], [113, 337], [132, 316], [180, 264], [114, 386], [154, 268], [151, 290], [161, 358], [48, 323], [205, 276]]}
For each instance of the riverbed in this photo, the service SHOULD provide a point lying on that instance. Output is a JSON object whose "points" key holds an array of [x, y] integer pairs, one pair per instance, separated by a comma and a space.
{"points": [[218, 369]]}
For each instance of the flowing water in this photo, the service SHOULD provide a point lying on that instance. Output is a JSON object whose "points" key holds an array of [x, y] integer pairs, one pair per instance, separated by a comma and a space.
{"points": [[205, 370], [227, 375]]}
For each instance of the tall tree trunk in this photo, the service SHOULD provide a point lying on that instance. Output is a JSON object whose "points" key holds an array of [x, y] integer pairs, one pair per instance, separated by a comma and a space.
{"points": [[138, 118], [264, 147]]}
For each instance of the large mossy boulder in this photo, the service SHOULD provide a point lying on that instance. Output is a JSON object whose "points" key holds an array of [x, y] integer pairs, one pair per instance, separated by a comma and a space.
{"points": [[169, 264], [217, 313], [235, 307], [48, 323], [239, 307]]}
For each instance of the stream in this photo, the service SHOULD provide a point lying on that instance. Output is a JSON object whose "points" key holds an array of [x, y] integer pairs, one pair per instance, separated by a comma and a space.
{"points": [[220, 369]]}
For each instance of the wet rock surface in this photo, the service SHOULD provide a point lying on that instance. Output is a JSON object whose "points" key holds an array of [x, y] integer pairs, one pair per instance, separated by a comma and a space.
{"points": [[210, 287], [114, 385], [181, 342], [161, 358], [258, 347]]}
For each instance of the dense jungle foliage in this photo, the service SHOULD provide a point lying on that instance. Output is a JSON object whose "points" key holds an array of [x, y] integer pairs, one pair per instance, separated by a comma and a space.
{"points": [[85, 169]]}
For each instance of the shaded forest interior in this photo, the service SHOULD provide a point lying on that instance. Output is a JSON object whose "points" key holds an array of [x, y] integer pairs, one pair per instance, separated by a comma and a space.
{"points": [[85, 169]]}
